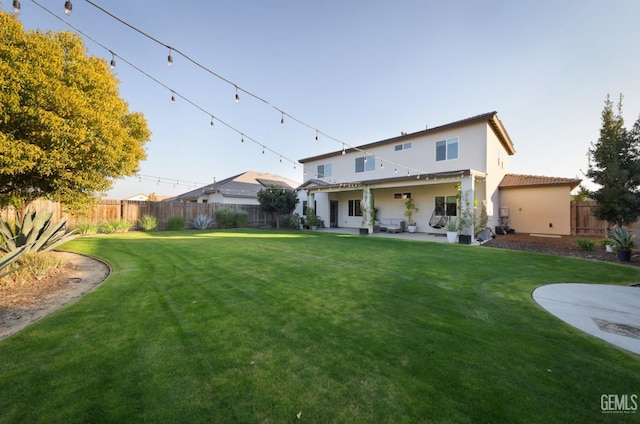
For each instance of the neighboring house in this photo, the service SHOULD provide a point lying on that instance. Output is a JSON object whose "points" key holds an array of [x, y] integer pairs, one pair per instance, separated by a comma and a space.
{"points": [[536, 204], [141, 197], [427, 166], [138, 197], [240, 189]]}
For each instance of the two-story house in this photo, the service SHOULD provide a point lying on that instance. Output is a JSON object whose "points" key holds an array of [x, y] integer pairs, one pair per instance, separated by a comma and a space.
{"points": [[427, 166]]}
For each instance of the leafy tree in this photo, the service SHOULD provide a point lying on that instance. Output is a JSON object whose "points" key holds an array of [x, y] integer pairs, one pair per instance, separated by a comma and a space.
{"points": [[65, 134], [614, 164], [280, 201], [581, 194]]}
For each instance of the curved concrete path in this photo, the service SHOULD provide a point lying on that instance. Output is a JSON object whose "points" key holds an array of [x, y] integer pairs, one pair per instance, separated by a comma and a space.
{"points": [[611, 313]]}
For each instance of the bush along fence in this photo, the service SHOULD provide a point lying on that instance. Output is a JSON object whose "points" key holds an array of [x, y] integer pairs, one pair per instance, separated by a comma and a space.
{"points": [[129, 213]]}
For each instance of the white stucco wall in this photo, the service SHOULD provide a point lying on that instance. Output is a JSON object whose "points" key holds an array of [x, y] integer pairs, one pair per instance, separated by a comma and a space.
{"points": [[543, 210]]}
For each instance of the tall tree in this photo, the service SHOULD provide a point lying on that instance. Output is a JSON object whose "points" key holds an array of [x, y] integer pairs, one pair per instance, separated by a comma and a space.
{"points": [[280, 201], [65, 134], [614, 164]]}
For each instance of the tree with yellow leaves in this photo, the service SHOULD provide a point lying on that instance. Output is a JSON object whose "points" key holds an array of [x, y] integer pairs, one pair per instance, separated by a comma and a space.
{"points": [[65, 133]]}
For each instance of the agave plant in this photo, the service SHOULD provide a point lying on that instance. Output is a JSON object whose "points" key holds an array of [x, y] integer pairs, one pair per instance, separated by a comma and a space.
{"points": [[10, 258], [34, 230], [622, 239], [200, 222]]}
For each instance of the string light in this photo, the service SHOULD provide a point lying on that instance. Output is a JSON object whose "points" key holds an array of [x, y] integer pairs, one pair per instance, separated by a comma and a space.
{"points": [[169, 59], [316, 136], [212, 120], [67, 8], [212, 73], [242, 139], [16, 7], [112, 64], [237, 95], [173, 96]]}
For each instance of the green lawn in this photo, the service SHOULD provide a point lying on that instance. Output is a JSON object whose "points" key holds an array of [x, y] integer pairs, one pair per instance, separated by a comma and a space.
{"points": [[256, 326]]}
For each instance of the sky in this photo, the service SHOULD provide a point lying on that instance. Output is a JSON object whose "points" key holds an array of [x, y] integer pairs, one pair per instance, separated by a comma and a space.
{"points": [[356, 71]]}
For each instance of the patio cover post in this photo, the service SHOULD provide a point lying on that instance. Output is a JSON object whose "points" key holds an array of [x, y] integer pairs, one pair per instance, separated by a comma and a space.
{"points": [[366, 205], [467, 190]]}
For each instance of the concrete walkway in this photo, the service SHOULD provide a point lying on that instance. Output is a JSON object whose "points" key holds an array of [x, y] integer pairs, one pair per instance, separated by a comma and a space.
{"points": [[439, 238], [611, 313]]}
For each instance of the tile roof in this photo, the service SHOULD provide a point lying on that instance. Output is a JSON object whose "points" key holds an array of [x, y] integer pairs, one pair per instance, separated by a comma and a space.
{"points": [[246, 184], [517, 180]]}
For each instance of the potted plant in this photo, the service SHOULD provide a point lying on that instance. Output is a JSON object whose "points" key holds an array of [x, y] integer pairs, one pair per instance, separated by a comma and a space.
{"points": [[467, 219], [622, 243], [313, 220], [451, 227], [410, 210]]}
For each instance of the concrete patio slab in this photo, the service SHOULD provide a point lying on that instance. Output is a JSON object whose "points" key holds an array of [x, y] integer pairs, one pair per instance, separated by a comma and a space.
{"points": [[611, 313]]}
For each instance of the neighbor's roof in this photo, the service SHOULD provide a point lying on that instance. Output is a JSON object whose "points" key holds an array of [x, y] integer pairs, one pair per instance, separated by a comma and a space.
{"points": [[490, 118], [518, 181], [246, 184]]}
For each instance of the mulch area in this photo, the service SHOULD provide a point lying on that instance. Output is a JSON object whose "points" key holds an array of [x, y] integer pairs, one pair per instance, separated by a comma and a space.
{"points": [[564, 245]]}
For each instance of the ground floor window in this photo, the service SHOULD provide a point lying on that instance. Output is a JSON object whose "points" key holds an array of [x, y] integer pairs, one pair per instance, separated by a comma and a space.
{"points": [[447, 204], [354, 208]]}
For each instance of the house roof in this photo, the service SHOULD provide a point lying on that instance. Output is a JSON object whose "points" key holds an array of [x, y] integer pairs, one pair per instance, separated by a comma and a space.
{"points": [[246, 185], [519, 181], [490, 118], [320, 185]]}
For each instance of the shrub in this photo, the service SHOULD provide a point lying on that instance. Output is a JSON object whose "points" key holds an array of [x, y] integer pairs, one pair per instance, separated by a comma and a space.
{"points": [[106, 227], [35, 230], [226, 217], [200, 222], [114, 226], [176, 223], [242, 219], [585, 244], [86, 228], [148, 223]]}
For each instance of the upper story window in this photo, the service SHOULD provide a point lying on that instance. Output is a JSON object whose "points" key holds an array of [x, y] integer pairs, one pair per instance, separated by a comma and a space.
{"points": [[324, 171], [403, 146], [365, 164], [447, 149]]}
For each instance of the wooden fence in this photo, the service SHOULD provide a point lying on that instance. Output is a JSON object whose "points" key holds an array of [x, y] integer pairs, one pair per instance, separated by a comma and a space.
{"points": [[131, 211], [583, 223]]}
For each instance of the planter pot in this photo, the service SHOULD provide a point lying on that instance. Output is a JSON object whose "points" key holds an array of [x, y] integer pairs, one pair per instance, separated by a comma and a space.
{"points": [[452, 236], [411, 228], [364, 231], [464, 239], [623, 255], [314, 227]]}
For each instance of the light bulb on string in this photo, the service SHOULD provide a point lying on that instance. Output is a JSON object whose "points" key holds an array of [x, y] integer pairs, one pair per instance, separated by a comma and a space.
{"points": [[67, 8], [112, 64], [381, 165], [242, 138], [263, 150], [316, 136], [343, 150], [16, 7], [212, 123], [282, 119], [237, 95], [169, 59], [395, 169], [173, 98]]}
